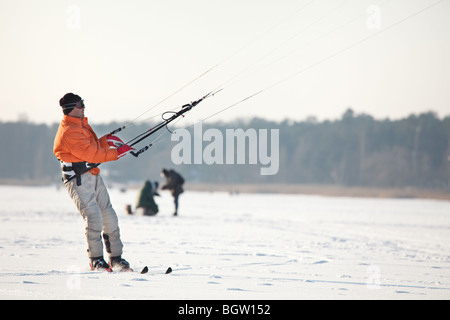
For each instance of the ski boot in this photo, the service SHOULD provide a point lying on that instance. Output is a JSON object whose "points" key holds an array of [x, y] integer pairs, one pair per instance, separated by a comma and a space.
{"points": [[99, 264], [119, 263]]}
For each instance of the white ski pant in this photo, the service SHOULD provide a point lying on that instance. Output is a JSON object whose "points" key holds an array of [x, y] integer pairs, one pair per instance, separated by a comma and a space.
{"points": [[92, 200]]}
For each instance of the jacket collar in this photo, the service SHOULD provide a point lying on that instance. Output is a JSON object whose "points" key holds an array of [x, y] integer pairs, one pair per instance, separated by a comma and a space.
{"points": [[75, 120]]}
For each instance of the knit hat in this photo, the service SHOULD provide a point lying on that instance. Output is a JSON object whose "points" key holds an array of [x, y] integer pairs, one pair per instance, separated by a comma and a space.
{"points": [[68, 102]]}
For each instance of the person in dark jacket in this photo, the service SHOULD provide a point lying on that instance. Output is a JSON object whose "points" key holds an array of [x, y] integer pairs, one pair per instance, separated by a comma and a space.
{"points": [[174, 183], [146, 205]]}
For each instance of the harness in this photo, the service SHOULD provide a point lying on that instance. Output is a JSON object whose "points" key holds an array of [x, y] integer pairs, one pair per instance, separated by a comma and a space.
{"points": [[74, 170]]}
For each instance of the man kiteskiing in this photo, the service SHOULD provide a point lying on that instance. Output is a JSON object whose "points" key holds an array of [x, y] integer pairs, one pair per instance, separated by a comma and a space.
{"points": [[80, 152]]}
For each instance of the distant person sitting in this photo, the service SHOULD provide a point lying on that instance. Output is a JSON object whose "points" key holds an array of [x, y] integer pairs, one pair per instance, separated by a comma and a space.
{"points": [[146, 205], [174, 183]]}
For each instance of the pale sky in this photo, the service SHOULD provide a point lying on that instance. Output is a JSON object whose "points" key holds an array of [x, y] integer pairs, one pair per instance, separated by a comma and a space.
{"points": [[325, 56]]}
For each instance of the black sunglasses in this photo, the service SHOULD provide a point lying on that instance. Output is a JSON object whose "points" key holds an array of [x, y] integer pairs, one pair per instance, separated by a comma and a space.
{"points": [[78, 105]]}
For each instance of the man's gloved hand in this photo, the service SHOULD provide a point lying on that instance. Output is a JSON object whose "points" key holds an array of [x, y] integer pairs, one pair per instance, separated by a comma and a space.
{"points": [[114, 141], [123, 150]]}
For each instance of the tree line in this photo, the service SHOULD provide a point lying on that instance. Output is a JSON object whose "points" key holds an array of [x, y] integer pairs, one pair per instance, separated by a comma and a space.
{"points": [[355, 150]]}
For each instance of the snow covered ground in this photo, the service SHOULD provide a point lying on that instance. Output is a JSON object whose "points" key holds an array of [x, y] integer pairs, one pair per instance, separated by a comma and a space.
{"points": [[222, 246]]}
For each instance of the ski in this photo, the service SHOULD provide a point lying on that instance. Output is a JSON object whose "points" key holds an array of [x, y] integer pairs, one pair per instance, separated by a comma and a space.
{"points": [[143, 271], [125, 270], [108, 270]]}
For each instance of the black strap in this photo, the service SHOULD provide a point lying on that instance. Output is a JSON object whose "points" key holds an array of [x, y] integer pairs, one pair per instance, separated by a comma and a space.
{"points": [[79, 168]]}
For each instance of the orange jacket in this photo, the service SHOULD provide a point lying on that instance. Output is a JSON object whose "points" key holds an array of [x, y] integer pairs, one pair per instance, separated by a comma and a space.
{"points": [[75, 141]]}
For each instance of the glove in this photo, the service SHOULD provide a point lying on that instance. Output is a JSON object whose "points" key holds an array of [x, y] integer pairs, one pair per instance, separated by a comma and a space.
{"points": [[123, 150], [114, 141]]}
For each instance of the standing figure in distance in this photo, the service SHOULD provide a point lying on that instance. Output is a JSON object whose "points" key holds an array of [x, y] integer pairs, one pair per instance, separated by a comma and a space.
{"points": [[174, 183]]}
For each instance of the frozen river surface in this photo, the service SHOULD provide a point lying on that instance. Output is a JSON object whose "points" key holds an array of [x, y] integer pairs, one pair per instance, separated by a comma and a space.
{"points": [[222, 246]]}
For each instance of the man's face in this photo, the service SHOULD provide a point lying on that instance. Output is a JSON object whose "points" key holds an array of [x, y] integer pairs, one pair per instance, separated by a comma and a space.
{"points": [[78, 111]]}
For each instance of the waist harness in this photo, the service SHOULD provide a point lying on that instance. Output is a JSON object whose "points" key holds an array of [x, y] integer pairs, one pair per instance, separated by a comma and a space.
{"points": [[74, 170]]}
